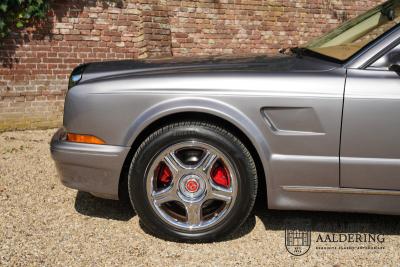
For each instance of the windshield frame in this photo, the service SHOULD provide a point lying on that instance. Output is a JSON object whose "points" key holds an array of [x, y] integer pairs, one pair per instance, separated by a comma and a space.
{"points": [[305, 50], [375, 49], [314, 54]]}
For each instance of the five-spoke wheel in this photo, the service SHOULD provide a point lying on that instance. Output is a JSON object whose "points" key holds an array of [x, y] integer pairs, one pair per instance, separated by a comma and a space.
{"points": [[191, 185], [192, 181]]}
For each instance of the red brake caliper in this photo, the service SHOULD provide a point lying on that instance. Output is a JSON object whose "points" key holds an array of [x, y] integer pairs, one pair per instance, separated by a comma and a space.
{"points": [[220, 176], [164, 176]]}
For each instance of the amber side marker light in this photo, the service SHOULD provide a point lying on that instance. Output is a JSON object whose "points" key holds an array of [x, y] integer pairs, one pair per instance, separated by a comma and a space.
{"points": [[83, 138]]}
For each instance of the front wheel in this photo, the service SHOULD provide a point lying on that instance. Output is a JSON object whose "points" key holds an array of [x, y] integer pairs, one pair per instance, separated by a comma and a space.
{"points": [[192, 181]]}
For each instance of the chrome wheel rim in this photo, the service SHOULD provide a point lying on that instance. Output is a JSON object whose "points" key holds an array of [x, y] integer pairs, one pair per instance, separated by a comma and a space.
{"points": [[201, 188]]}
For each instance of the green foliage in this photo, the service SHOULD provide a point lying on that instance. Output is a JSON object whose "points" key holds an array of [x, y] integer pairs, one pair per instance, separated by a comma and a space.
{"points": [[20, 13]]}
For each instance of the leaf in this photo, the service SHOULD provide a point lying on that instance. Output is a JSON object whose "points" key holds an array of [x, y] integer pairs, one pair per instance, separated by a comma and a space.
{"points": [[3, 7], [19, 24], [19, 13]]}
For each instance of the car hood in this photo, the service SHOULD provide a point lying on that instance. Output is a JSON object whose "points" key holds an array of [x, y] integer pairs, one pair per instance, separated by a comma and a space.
{"points": [[281, 63]]}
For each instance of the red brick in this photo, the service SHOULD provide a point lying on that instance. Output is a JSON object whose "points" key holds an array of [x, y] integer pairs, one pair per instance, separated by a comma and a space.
{"points": [[34, 83]]}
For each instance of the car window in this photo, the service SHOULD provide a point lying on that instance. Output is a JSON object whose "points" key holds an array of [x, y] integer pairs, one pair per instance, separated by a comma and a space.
{"points": [[352, 36], [390, 58]]}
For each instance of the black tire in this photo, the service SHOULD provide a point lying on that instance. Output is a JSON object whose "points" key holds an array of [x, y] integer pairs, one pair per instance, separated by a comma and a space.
{"points": [[206, 133]]}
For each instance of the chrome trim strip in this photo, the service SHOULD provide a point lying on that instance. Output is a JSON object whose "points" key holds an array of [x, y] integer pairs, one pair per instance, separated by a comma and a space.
{"points": [[337, 190]]}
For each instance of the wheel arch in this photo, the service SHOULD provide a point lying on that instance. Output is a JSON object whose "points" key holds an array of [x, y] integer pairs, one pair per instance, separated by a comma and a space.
{"points": [[199, 110]]}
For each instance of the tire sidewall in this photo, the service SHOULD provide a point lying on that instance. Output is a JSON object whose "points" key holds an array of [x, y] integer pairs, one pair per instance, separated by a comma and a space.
{"points": [[227, 144]]}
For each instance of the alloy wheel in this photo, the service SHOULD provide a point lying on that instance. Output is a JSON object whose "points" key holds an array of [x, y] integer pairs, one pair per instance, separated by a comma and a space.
{"points": [[191, 185]]}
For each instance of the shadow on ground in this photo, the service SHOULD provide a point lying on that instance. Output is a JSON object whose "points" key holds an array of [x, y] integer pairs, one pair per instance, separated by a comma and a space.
{"points": [[272, 220], [92, 206], [330, 222], [246, 228]]}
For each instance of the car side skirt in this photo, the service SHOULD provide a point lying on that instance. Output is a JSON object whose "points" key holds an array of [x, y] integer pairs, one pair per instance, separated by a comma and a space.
{"points": [[337, 199]]}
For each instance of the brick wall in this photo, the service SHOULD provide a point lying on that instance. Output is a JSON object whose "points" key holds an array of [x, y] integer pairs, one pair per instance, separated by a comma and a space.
{"points": [[35, 63]]}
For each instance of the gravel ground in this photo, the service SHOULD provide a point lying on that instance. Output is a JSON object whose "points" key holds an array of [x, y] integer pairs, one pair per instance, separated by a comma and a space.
{"points": [[44, 223]]}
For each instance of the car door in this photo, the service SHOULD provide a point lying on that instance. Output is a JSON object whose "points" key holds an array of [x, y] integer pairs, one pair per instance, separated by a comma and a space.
{"points": [[370, 143]]}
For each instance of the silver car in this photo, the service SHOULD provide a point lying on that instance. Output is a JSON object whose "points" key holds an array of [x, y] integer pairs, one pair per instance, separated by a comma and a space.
{"points": [[193, 142]]}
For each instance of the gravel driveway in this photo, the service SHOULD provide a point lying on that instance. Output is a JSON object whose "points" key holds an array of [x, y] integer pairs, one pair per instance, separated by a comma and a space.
{"points": [[44, 223]]}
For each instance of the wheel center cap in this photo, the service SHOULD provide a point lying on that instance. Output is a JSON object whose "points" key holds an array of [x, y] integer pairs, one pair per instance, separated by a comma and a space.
{"points": [[191, 187]]}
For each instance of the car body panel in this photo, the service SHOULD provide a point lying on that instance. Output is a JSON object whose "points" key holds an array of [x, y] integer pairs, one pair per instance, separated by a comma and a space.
{"points": [[245, 63], [87, 167], [250, 100], [337, 199], [371, 127], [289, 107]]}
